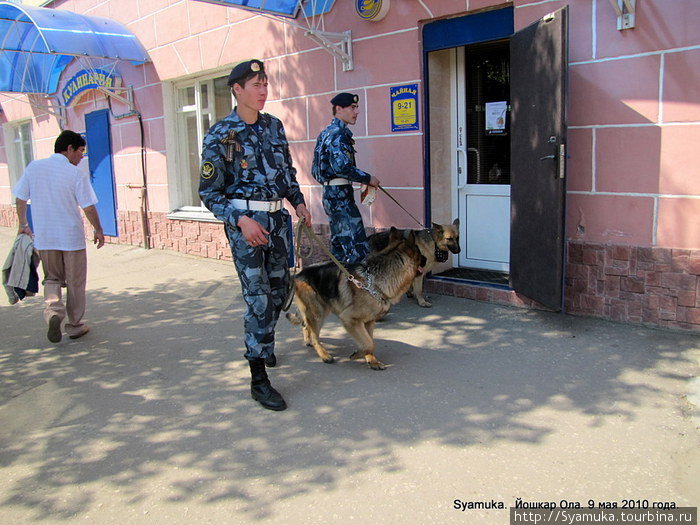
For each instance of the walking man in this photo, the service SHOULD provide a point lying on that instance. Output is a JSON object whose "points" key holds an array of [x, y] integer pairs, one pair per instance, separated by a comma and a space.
{"points": [[58, 189], [334, 167], [246, 172]]}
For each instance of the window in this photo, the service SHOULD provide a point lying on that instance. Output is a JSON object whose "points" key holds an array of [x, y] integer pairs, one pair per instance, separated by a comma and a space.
{"points": [[199, 106], [20, 151]]}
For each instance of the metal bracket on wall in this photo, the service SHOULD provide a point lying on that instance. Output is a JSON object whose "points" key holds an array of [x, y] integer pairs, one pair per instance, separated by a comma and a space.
{"points": [[339, 44], [56, 110], [114, 92], [625, 11]]}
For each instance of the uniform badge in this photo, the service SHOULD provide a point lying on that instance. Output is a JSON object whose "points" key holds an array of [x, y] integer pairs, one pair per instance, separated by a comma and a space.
{"points": [[244, 164], [254, 66], [207, 170]]}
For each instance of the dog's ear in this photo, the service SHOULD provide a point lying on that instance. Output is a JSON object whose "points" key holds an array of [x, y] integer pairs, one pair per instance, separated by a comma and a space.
{"points": [[456, 222], [394, 234], [411, 238], [437, 227]]}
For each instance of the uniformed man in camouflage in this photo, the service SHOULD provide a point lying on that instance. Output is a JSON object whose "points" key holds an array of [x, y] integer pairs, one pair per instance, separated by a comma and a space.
{"points": [[246, 172], [334, 167]]}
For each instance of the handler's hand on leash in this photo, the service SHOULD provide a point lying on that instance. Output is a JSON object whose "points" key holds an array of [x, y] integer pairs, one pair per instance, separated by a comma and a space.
{"points": [[304, 214]]}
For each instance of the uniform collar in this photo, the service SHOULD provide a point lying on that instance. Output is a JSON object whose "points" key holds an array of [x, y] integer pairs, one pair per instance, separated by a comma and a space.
{"points": [[240, 125], [342, 125]]}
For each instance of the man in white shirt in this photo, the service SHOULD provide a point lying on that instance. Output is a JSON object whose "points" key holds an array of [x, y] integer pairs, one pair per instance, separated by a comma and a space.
{"points": [[58, 189]]}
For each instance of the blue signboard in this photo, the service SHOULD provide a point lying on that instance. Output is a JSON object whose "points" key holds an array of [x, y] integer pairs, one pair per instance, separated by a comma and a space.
{"points": [[84, 80], [404, 108]]}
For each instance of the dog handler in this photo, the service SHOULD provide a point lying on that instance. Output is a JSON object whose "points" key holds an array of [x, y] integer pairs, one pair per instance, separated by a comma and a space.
{"points": [[246, 172], [334, 167]]}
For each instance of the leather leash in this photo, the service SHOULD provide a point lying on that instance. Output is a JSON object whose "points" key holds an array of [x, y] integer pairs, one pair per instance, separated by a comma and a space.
{"points": [[301, 227], [400, 206]]}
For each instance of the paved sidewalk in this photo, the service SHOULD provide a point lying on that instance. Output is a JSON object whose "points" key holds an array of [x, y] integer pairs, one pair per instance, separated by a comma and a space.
{"points": [[148, 418]]}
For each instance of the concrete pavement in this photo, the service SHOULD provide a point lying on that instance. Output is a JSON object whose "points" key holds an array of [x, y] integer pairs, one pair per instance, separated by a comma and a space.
{"points": [[148, 418]]}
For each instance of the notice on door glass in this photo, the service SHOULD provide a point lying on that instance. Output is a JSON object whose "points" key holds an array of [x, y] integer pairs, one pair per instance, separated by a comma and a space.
{"points": [[496, 117]]}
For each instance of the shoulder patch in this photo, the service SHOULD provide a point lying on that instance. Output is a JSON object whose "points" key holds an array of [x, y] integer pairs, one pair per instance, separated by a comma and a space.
{"points": [[207, 170]]}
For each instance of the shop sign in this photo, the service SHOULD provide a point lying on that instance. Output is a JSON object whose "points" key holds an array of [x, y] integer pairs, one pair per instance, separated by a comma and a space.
{"points": [[404, 108], [84, 80], [373, 10]]}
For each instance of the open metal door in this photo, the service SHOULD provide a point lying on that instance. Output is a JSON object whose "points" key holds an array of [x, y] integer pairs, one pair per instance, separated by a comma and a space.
{"points": [[538, 58], [99, 150]]}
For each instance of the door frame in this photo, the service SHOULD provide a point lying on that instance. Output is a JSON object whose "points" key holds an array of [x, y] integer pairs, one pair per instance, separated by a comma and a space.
{"points": [[464, 193], [483, 27]]}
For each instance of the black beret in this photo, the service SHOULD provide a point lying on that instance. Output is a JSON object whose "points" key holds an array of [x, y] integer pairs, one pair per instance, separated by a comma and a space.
{"points": [[244, 69], [344, 99]]}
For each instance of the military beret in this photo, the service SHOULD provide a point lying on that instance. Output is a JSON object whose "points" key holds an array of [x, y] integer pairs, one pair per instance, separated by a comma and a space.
{"points": [[344, 99], [245, 69]]}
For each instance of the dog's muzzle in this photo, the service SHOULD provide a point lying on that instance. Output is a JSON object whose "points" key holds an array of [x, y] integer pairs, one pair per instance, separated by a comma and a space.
{"points": [[441, 255]]}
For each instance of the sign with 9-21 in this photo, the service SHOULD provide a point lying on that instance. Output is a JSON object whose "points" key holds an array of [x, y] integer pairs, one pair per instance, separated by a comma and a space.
{"points": [[404, 108]]}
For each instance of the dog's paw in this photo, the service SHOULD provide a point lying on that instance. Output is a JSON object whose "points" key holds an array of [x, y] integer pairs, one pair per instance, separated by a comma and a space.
{"points": [[376, 365], [329, 359], [425, 304]]}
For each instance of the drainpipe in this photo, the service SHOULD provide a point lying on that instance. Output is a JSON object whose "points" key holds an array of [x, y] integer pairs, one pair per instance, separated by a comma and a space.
{"points": [[145, 228]]}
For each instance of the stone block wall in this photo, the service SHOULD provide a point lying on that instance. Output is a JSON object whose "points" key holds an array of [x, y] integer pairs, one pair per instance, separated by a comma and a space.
{"points": [[655, 286]]}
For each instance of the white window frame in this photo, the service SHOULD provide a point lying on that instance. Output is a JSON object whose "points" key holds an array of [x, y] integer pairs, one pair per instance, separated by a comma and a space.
{"points": [[16, 139], [178, 156]]}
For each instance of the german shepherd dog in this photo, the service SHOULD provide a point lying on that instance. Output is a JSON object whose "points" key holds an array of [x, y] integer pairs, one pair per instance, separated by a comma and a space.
{"points": [[434, 245], [323, 288]]}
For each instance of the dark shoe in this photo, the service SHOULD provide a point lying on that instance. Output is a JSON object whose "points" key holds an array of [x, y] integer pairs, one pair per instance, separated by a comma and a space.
{"points": [[81, 334], [271, 362], [260, 388], [54, 333]]}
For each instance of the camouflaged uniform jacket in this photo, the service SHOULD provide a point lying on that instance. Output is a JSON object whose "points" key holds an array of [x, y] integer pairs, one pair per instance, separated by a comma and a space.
{"points": [[239, 162], [334, 155]]}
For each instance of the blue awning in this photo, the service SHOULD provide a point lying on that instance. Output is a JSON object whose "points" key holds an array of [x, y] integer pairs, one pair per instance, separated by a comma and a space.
{"points": [[286, 8], [36, 44]]}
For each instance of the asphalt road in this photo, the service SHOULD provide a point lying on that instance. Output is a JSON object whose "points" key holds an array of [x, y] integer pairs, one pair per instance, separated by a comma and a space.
{"points": [[148, 418]]}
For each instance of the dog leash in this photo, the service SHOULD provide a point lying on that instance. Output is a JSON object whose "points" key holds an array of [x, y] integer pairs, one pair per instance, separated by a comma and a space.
{"points": [[302, 226], [400, 206]]}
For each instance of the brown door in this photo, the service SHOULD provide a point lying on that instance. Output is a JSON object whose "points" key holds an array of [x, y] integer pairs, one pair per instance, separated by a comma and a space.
{"points": [[538, 59]]}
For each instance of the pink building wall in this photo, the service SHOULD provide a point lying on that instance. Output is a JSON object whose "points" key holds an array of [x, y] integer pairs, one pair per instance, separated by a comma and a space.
{"points": [[634, 122]]}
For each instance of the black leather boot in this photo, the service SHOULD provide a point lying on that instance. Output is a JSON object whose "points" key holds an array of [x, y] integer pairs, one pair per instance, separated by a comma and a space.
{"points": [[260, 388], [271, 361]]}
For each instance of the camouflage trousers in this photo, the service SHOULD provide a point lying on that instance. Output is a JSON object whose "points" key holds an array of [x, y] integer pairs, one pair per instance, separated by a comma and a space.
{"points": [[348, 237], [264, 275]]}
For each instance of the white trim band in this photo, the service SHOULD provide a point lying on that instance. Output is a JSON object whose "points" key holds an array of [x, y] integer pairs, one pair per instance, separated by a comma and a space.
{"points": [[268, 206], [337, 182]]}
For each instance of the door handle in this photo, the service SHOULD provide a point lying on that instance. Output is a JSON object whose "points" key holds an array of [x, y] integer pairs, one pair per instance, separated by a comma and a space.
{"points": [[461, 168], [561, 156]]}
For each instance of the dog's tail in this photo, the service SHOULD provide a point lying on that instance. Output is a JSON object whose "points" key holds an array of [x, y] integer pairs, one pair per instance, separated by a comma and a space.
{"points": [[294, 318]]}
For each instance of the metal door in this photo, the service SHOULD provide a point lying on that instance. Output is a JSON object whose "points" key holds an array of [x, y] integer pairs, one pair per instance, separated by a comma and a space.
{"points": [[538, 158], [99, 153]]}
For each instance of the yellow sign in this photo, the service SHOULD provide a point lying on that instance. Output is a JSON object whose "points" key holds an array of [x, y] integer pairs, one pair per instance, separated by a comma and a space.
{"points": [[404, 107], [373, 10]]}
